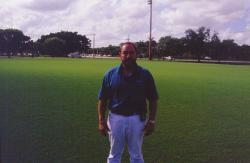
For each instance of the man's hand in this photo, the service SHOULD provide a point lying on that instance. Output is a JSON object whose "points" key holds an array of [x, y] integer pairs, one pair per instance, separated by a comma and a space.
{"points": [[103, 128], [102, 125], [149, 128]]}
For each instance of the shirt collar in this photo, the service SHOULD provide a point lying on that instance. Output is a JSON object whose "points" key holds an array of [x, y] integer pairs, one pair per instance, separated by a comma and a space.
{"points": [[136, 71]]}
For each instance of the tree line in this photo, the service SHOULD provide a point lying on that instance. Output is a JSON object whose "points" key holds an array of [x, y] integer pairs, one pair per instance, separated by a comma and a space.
{"points": [[13, 42], [196, 44]]}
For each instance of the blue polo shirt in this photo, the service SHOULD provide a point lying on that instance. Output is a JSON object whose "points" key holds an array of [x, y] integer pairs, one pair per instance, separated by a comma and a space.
{"points": [[128, 95]]}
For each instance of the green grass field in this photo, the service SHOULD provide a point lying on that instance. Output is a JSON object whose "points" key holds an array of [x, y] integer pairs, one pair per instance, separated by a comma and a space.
{"points": [[48, 112]]}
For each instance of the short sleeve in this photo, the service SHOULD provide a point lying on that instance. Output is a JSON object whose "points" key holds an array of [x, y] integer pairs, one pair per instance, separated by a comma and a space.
{"points": [[105, 91], [152, 93]]}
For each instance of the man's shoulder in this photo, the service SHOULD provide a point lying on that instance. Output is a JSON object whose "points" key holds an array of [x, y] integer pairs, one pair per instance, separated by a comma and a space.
{"points": [[112, 70], [144, 71]]}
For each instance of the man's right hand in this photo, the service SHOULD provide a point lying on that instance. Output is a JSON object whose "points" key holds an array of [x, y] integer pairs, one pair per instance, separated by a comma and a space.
{"points": [[103, 128]]}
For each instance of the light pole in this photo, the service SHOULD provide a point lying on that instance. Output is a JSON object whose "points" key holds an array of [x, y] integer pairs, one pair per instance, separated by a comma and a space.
{"points": [[150, 31], [93, 41]]}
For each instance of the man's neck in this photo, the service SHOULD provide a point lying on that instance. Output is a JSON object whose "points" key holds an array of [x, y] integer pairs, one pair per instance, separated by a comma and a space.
{"points": [[127, 71]]}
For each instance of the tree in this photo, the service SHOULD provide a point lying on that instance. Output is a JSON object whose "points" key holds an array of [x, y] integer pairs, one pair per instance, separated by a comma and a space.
{"points": [[73, 42], [229, 49], [2, 42], [170, 46], [153, 48], [244, 53], [55, 47], [142, 48], [215, 47], [31, 48], [112, 50], [13, 41], [197, 41]]}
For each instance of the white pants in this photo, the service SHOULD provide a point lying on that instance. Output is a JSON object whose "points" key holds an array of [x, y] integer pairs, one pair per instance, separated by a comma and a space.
{"points": [[125, 129]]}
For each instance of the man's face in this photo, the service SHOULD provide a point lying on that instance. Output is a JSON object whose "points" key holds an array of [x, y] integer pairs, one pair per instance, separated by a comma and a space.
{"points": [[128, 56]]}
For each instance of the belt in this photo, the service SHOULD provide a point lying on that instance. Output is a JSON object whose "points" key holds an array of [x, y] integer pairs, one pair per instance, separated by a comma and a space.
{"points": [[124, 113]]}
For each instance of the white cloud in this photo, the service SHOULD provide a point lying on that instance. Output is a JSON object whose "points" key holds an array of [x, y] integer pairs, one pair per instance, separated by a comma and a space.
{"points": [[48, 5], [113, 20]]}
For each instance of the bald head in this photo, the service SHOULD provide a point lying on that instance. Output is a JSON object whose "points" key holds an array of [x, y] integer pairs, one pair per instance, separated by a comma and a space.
{"points": [[128, 54], [129, 44]]}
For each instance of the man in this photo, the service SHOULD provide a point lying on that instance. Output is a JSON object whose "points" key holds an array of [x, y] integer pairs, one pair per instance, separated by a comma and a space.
{"points": [[125, 89]]}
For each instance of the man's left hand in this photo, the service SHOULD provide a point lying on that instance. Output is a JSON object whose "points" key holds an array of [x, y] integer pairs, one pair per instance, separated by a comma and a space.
{"points": [[149, 128]]}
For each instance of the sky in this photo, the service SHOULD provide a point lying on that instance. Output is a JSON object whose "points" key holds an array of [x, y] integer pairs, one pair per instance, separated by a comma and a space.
{"points": [[114, 21]]}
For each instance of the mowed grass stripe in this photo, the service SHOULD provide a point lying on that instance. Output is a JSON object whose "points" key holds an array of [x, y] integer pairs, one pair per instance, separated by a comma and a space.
{"points": [[48, 111]]}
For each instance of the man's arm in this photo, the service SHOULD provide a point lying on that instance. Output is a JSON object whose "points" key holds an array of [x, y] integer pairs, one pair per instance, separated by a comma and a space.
{"points": [[150, 126], [102, 125], [152, 109]]}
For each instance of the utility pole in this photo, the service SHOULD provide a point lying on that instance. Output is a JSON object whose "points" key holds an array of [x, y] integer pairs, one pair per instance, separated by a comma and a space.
{"points": [[128, 39], [93, 41], [150, 31]]}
